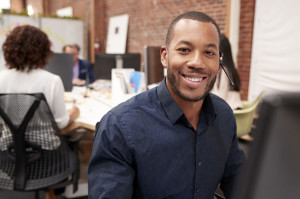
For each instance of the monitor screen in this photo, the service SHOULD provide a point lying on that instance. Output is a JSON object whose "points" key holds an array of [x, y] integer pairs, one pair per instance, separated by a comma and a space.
{"points": [[105, 62], [273, 168], [61, 64], [154, 70], [132, 60]]}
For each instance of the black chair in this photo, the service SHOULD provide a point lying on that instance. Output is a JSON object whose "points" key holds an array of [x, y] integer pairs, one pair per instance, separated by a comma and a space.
{"points": [[34, 155]]}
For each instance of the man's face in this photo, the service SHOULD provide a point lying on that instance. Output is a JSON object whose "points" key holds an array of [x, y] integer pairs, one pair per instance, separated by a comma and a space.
{"points": [[73, 51], [192, 59]]}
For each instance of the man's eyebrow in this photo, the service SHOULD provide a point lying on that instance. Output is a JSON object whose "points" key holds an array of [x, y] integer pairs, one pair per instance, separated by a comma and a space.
{"points": [[185, 42], [209, 45], [212, 45]]}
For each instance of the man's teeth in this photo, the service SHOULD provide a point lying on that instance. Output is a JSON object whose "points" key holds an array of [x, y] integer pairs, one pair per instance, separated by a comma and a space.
{"points": [[194, 79]]}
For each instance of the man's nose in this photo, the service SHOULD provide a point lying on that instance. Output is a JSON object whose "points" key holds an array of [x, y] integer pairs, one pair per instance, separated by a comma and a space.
{"points": [[196, 60]]}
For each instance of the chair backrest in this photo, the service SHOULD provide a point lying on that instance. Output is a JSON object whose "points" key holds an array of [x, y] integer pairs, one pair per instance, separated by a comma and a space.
{"points": [[244, 117], [33, 152]]}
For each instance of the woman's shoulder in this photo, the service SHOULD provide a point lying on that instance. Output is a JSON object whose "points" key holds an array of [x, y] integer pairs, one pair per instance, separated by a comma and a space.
{"points": [[45, 74]]}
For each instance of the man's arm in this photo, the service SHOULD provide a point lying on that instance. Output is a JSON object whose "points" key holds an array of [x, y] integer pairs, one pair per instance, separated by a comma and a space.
{"points": [[110, 172]]}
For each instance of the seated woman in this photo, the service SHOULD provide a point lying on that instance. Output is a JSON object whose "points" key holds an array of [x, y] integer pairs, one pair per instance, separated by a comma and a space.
{"points": [[222, 87], [26, 52]]}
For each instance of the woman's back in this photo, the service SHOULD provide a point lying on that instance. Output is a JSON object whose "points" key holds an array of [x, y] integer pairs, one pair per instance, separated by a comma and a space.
{"points": [[37, 81]]}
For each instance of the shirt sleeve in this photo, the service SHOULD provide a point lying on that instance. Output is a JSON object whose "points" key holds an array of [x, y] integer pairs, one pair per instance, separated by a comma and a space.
{"points": [[57, 103], [110, 172], [233, 170]]}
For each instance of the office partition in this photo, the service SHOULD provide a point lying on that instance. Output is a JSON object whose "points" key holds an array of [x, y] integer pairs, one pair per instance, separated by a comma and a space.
{"points": [[154, 70]]}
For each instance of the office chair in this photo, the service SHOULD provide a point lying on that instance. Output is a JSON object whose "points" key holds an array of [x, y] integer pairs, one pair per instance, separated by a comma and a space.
{"points": [[244, 117], [33, 153]]}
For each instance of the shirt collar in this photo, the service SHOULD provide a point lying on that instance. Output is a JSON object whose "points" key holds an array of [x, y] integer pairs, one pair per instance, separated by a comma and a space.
{"points": [[172, 109], [208, 108]]}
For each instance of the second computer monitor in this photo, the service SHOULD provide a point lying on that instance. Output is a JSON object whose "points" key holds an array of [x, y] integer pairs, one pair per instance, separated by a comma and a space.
{"points": [[105, 62], [61, 64]]}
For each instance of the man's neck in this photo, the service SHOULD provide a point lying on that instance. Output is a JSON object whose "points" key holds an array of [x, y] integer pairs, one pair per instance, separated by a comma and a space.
{"points": [[190, 109]]}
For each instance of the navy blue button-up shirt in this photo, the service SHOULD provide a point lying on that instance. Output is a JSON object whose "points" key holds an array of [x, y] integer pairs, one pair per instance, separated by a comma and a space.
{"points": [[145, 148]]}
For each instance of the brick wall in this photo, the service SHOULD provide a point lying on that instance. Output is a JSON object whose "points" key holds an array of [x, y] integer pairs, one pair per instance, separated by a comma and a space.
{"points": [[149, 19], [245, 44], [16, 5]]}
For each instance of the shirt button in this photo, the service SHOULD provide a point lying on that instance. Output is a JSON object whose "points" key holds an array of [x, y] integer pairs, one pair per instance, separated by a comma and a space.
{"points": [[199, 164], [197, 190]]}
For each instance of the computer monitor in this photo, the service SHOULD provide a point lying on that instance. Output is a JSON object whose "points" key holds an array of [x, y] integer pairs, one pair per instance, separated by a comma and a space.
{"points": [[132, 60], [154, 70], [61, 64], [273, 169], [105, 62]]}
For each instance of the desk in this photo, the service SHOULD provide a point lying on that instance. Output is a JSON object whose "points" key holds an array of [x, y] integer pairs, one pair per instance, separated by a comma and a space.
{"points": [[92, 103], [92, 107]]}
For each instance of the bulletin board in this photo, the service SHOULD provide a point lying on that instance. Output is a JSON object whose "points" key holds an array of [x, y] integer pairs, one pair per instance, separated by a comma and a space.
{"points": [[59, 31], [64, 31]]}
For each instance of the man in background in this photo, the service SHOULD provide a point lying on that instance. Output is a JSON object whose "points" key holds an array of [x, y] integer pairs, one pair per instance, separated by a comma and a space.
{"points": [[81, 67]]}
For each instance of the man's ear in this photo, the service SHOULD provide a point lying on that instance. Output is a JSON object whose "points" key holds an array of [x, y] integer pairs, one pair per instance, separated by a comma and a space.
{"points": [[164, 56]]}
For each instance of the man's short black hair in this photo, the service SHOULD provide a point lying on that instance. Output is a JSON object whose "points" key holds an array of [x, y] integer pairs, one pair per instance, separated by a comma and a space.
{"points": [[194, 15]]}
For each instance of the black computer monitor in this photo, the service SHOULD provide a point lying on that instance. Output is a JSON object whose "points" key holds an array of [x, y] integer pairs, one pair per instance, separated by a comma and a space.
{"points": [[132, 60], [61, 64], [154, 70], [273, 169], [105, 62]]}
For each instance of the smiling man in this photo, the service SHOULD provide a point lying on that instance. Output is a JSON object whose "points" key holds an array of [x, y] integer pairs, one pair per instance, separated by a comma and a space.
{"points": [[176, 140]]}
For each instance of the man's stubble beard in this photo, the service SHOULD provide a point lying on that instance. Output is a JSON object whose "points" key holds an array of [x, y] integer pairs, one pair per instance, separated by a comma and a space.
{"points": [[175, 87]]}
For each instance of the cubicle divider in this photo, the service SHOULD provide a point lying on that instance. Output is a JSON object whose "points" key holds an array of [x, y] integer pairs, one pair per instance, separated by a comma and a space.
{"points": [[154, 70]]}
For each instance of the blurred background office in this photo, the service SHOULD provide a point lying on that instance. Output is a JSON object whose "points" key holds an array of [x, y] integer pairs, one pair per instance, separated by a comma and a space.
{"points": [[263, 34], [259, 37]]}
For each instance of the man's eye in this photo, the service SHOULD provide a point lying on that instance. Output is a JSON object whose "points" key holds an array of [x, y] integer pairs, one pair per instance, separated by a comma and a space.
{"points": [[209, 53], [184, 50]]}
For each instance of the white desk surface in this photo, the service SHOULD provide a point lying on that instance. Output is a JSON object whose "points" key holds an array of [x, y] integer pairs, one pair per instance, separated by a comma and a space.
{"points": [[92, 107], [93, 103]]}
